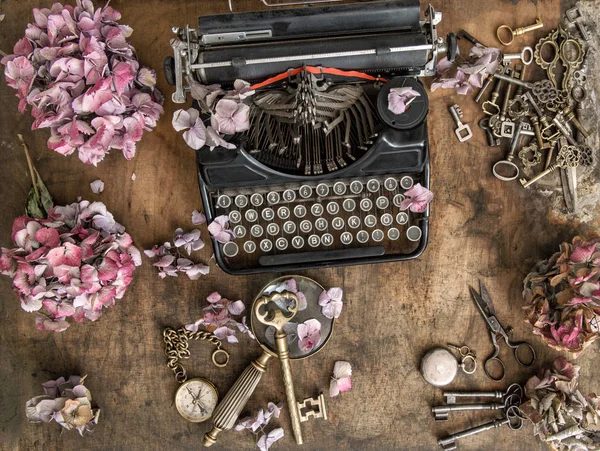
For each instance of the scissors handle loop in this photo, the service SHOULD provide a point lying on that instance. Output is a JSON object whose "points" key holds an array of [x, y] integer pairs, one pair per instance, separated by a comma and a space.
{"points": [[525, 348], [494, 366]]}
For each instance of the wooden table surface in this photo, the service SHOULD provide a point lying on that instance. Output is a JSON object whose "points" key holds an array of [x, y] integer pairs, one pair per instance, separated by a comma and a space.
{"points": [[480, 229]]}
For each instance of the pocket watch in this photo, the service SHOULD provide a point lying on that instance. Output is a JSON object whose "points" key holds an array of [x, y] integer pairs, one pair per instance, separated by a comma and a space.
{"points": [[196, 398]]}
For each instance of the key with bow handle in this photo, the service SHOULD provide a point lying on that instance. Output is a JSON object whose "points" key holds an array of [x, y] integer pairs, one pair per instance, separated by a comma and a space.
{"points": [[568, 157], [514, 398], [517, 32], [512, 390]]}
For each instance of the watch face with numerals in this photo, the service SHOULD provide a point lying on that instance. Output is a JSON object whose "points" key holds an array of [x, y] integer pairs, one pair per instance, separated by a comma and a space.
{"points": [[196, 399]]}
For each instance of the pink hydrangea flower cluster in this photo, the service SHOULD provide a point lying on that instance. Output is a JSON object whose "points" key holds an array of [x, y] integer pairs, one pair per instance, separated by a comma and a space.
{"points": [[72, 264], [562, 296], [81, 77]]}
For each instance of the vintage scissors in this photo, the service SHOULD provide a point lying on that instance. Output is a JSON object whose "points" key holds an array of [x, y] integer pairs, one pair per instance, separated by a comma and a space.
{"points": [[484, 303]]}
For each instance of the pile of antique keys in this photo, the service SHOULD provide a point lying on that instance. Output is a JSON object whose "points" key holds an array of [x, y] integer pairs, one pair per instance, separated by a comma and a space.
{"points": [[543, 110]]}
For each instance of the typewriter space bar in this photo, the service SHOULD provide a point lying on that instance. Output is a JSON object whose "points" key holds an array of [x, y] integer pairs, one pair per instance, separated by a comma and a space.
{"points": [[318, 256]]}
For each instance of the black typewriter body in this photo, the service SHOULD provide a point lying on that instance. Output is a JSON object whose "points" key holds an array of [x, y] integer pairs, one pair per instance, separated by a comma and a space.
{"points": [[308, 196]]}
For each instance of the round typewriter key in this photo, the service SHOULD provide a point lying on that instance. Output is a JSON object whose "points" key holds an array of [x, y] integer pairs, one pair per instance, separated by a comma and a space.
{"points": [[273, 197], [256, 231], [250, 247], [281, 244], [362, 236], [393, 234], [305, 191], [366, 204], [370, 221], [406, 182], [239, 231], [346, 238], [337, 223], [314, 240], [398, 198], [321, 224], [373, 185], [266, 245], [289, 227], [306, 226], [322, 190], [268, 214], [356, 187], [298, 242], [251, 215], [230, 249], [378, 235], [354, 222], [235, 216], [273, 229], [401, 218], [289, 195], [327, 239], [224, 201], [257, 199], [316, 209], [390, 183], [241, 201], [382, 202], [300, 211], [386, 219], [283, 212], [349, 205], [413, 233], [339, 188], [333, 208]]}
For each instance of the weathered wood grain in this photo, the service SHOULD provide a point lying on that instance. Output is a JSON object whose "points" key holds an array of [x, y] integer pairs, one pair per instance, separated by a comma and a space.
{"points": [[481, 228]]}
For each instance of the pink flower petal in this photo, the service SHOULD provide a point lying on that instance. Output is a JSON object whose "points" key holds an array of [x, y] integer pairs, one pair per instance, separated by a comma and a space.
{"points": [[198, 218], [309, 335]]}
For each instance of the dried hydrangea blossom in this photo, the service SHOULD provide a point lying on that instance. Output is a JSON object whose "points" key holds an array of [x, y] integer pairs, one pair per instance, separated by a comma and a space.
{"points": [[562, 296], [417, 199], [331, 302], [341, 380], [68, 402], [218, 318], [258, 422], [219, 229], [82, 79], [309, 335], [74, 263], [399, 99], [561, 415]]}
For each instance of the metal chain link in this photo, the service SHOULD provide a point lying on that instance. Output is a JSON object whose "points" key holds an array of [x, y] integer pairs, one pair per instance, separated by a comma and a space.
{"points": [[176, 348]]}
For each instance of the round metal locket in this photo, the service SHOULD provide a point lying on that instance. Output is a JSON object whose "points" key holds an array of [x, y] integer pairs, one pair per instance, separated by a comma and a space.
{"points": [[196, 399], [439, 367]]}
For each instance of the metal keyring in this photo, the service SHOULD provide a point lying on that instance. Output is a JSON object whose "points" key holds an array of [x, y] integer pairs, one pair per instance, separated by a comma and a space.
{"points": [[501, 177], [462, 364], [512, 34], [219, 352]]}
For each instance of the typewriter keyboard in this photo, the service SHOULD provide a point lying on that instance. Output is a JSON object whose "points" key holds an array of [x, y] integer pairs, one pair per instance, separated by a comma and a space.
{"points": [[333, 220]]}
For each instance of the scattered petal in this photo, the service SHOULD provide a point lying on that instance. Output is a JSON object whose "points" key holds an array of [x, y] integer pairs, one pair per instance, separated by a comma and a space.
{"points": [[97, 186], [341, 380]]}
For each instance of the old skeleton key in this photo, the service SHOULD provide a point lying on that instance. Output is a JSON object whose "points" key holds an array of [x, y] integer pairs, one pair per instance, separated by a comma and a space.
{"points": [[568, 157], [508, 162], [463, 131], [519, 31]]}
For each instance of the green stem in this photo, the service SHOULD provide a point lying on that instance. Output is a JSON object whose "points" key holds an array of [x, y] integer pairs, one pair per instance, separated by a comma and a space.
{"points": [[32, 171]]}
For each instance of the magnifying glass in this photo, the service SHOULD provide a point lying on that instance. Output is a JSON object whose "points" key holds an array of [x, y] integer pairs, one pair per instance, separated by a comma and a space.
{"points": [[228, 411]]}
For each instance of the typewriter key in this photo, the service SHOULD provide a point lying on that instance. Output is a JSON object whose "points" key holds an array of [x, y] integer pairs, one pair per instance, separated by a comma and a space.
{"points": [[257, 199], [273, 197], [256, 231], [230, 249], [316, 209], [398, 198], [322, 190], [349, 205], [300, 211], [289, 195], [401, 218], [378, 235], [305, 191], [289, 227], [321, 224], [373, 185], [406, 182], [382, 202], [370, 221], [239, 231], [393, 234], [327, 239], [333, 208], [339, 188], [224, 201], [354, 222], [283, 212], [366, 204], [413, 233], [235, 216], [314, 240], [241, 201], [346, 238], [266, 245], [251, 215], [337, 223], [362, 236], [250, 247], [281, 244], [273, 229], [306, 226], [298, 242], [356, 187], [390, 184], [386, 219], [268, 214]]}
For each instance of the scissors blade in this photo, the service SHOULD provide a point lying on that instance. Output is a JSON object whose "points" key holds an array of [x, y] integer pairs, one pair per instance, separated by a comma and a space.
{"points": [[481, 304], [485, 295]]}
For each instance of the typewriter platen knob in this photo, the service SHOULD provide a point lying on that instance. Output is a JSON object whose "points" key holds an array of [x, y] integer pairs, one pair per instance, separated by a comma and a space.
{"points": [[451, 47], [169, 68]]}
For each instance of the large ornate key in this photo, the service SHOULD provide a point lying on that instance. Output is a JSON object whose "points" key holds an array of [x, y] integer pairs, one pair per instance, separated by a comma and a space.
{"points": [[568, 157]]}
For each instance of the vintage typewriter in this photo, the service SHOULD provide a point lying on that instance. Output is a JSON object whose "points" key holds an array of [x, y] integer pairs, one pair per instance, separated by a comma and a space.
{"points": [[319, 177]]}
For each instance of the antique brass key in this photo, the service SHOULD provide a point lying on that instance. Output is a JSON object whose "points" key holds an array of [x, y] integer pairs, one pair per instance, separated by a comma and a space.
{"points": [[568, 157], [519, 31]]}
